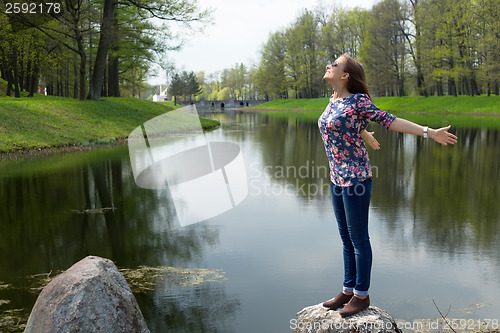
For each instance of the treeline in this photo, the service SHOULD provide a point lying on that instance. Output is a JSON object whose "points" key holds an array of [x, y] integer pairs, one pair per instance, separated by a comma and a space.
{"points": [[94, 48], [423, 47], [89, 48], [236, 82]]}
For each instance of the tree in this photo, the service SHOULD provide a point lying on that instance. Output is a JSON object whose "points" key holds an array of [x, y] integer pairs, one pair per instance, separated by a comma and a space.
{"points": [[384, 49], [64, 29], [343, 32], [105, 33], [191, 84], [487, 18], [182, 11], [224, 94], [301, 57], [415, 41], [176, 87], [200, 76]]}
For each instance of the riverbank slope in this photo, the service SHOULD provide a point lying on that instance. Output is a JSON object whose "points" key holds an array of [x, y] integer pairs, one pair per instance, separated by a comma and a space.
{"points": [[45, 122], [461, 104]]}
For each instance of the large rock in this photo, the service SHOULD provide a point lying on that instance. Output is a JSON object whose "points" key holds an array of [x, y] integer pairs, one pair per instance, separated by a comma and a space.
{"points": [[319, 319], [91, 296]]}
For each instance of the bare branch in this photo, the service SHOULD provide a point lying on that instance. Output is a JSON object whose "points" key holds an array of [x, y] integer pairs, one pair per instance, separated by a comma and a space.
{"points": [[443, 316], [178, 11]]}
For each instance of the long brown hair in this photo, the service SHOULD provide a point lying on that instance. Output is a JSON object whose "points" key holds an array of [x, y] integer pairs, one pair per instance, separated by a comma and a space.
{"points": [[356, 82]]}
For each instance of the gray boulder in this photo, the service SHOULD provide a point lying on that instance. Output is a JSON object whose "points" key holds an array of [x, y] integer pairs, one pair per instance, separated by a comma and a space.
{"points": [[91, 296], [319, 319]]}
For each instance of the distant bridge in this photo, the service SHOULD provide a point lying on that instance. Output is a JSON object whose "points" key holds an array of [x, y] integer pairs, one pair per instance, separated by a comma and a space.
{"points": [[230, 103]]}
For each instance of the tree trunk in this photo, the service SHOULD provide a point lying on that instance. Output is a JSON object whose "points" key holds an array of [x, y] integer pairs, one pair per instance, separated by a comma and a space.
{"points": [[58, 86], [113, 75], [61, 81], [452, 89], [33, 83], [104, 89], [66, 79], [27, 77], [83, 62], [439, 88], [21, 72], [102, 51], [474, 87], [3, 76], [422, 90], [113, 69], [13, 58], [9, 81], [75, 73]]}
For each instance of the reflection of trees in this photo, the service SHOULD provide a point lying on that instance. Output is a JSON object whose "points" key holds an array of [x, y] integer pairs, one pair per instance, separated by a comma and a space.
{"points": [[450, 193], [205, 308], [295, 147], [50, 220], [44, 214]]}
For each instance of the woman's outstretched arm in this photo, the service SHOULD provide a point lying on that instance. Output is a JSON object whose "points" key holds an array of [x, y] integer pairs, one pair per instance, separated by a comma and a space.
{"points": [[440, 135]]}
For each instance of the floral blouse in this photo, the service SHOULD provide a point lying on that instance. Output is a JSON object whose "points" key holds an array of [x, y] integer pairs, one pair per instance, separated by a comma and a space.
{"points": [[341, 125]]}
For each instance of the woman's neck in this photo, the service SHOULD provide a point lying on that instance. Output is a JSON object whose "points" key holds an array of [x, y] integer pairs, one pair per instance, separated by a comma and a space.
{"points": [[340, 92]]}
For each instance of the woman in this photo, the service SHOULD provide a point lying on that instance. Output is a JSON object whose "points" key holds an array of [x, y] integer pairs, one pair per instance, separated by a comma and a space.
{"points": [[341, 124]]}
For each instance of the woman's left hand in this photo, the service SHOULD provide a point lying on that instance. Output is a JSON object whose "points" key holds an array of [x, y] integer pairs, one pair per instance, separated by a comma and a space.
{"points": [[370, 139], [442, 136]]}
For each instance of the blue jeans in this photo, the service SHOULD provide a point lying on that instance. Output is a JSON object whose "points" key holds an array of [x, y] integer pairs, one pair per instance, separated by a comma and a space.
{"points": [[350, 205]]}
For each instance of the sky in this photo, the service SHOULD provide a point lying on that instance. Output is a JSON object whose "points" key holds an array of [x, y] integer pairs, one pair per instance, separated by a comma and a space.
{"points": [[240, 30]]}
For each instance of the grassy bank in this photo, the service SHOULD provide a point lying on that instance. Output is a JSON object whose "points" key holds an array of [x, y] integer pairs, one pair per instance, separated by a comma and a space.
{"points": [[49, 122], [430, 119], [461, 104]]}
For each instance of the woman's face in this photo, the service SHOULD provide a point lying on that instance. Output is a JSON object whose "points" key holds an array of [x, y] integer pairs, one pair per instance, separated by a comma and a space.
{"points": [[334, 71]]}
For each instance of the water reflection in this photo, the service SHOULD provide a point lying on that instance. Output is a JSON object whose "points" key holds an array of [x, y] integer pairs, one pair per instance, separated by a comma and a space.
{"points": [[434, 218], [435, 213], [64, 216], [451, 192], [50, 220], [206, 308]]}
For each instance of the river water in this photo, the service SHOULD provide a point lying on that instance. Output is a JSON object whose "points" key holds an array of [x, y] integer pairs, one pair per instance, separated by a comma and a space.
{"points": [[434, 226]]}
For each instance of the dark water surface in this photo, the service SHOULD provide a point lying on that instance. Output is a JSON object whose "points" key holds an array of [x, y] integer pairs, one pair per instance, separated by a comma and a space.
{"points": [[434, 219]]}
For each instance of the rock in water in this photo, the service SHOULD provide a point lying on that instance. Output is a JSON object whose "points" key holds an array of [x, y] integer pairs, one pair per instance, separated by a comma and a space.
{"points": [[319, 319], [91, 296]]}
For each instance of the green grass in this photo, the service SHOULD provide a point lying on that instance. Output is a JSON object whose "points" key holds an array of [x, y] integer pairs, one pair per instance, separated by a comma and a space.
{"points": [[315, 104], [462, 104], [47, 122], [429, 119], [3, 87], [435, 111]]}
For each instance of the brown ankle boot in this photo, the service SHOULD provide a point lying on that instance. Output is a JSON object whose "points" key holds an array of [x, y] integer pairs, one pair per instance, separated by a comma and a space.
{"points": [[354, 306], [338, 301]]}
